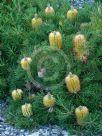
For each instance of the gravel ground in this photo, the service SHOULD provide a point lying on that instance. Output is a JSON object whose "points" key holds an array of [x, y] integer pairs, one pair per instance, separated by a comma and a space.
{"points": [[81, 3], [8, 130], [77, 3]]}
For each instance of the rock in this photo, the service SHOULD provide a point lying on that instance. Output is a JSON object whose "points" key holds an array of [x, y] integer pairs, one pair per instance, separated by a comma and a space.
{"points": [[7, 132], [64, 133], [1, 119], [34, 134], [22, 131]]}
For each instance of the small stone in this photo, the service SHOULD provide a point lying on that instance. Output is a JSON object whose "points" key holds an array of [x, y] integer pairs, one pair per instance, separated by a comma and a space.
{"points": [[22, 130], [64, 133], [34, 134], [6, 132], [1, 119]]}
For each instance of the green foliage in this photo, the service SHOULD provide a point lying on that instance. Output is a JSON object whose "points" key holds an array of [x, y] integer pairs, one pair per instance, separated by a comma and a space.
{"points": [[19, 40]]}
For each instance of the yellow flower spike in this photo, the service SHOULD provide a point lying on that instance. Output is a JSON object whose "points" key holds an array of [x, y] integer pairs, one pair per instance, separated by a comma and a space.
{"points": [[36, 22], [49, 100], [81, 113], [17, 94], [73, 83], [25, 62], [55, 39], [27, 110], [79, 41], [80, 47], [49, 10], [72, 14]]}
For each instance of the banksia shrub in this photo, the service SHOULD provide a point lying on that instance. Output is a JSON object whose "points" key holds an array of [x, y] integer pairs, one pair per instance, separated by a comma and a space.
{"points": [[52, 58]]}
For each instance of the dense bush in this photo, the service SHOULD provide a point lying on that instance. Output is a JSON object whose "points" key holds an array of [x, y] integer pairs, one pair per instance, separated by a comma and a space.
{"points": [[18, 39]]}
